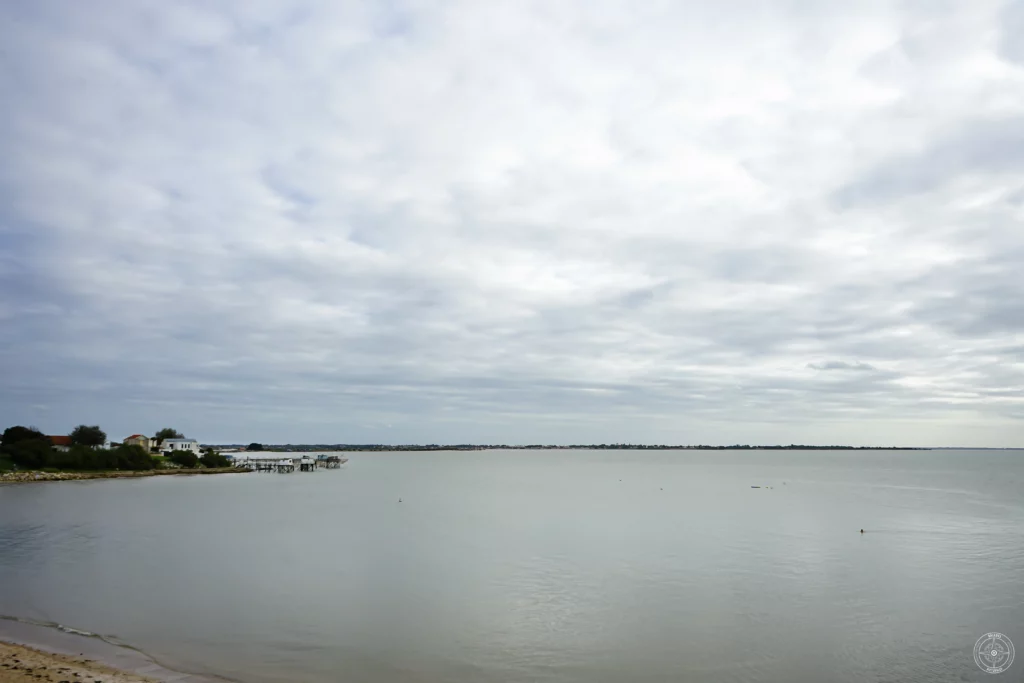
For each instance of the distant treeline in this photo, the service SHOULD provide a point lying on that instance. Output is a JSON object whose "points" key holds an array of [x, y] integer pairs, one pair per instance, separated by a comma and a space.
{"points": [[603, 446]]}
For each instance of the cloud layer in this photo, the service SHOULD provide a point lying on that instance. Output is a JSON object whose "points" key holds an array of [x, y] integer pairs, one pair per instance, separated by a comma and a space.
{"points": [[515, 222]]}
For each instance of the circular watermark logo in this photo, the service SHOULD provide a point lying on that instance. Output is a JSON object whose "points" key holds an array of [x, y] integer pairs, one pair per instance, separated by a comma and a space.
{"points": [[993, 653]]}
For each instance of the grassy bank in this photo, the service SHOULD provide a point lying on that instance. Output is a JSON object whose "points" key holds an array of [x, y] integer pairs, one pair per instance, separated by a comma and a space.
{"points": [[37, 476]]}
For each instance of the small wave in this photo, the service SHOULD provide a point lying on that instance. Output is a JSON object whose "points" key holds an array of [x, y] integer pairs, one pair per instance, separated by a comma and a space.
{"points": [[117, 643], [54, 625], [30, 622], [78, 632], [110, 640]]}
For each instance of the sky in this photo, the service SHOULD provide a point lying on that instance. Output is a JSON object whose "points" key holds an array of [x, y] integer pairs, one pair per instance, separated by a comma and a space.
{"points": [[585, 221]]}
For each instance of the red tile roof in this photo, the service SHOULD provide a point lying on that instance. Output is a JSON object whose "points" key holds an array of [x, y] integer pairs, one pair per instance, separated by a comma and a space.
{"points": [[136, 436], [60, 440]]}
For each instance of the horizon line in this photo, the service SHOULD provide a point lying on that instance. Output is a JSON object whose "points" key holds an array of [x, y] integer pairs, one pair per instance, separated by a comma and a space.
{"points": [[604, 446]]}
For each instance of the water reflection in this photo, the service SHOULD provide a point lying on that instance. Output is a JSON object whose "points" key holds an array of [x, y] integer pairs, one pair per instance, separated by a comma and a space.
{"points": [[540, 567]]}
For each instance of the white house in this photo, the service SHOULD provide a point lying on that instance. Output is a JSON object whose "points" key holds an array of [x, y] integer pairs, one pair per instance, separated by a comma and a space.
{"points": [[170, 445]]}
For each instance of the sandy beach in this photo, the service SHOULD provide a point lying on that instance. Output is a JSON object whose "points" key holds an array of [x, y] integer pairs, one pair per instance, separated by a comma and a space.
{"points": [[32, 651], [19, 664]]}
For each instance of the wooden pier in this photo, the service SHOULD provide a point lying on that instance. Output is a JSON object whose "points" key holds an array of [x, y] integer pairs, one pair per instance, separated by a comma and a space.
{"points": [[276, 463]]}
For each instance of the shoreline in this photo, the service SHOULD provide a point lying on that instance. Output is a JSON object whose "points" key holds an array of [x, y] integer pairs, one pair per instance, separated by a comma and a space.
{"points": [[416, 448], [31, 477], [23, 664], [31, 652]]}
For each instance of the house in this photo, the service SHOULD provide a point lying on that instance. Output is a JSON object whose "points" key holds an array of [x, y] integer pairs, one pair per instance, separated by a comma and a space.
{"points": [[61, 443], [139, 440], [171, 445]]}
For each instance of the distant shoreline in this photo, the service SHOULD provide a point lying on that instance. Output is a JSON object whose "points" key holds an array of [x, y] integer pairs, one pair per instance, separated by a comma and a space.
{"points": [[31, 477], [319, 448]]}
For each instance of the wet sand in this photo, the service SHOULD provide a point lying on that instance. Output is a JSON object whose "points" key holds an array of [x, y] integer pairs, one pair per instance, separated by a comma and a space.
{"points": [[34, 651], [20, 664]]}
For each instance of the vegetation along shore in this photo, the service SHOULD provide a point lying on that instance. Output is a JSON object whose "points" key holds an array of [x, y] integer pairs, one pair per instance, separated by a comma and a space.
{"points": [[27, 455]]}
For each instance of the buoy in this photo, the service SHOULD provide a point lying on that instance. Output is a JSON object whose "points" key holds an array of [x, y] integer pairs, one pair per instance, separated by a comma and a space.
{"points": [[862, 531]]}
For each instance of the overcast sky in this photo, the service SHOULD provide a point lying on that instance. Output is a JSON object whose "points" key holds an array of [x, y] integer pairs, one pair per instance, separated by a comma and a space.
{"points": [[562, 222]]}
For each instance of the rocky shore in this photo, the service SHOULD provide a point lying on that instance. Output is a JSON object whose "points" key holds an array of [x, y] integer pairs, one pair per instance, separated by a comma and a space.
{"points": [[30, 477]]}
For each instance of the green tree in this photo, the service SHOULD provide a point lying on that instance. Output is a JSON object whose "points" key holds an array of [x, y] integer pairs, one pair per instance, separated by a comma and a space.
{"points": [[30, 454], [26, 447], [212, 458], [133, 458], [255, 447], [84, 435], [185, 458], [13, 435], [168, 433]]}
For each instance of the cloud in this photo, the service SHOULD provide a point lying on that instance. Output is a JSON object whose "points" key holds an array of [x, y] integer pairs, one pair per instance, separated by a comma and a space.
{"points": [[988, 149], [513, 222], [841, 365]]}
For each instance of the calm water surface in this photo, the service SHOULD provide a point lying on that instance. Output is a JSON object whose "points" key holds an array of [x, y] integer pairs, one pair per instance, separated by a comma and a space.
{"points": [[555, 567]]}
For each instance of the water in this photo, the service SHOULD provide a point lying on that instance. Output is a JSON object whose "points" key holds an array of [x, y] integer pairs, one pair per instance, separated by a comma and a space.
{"points": [[541, 566]]}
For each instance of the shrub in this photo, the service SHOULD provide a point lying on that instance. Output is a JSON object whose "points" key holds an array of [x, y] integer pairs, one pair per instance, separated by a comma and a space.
{"points": [[212, 458], [133, 458], [86, 458], [29, 454], [186, 459], [66, 460]]}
